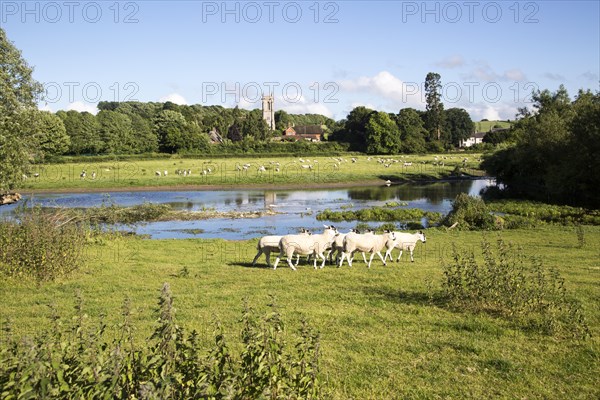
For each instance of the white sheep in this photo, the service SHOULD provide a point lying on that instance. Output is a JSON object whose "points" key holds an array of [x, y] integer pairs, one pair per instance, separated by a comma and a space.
{"points": [[267, 244], [306, 244], [337, 247], [366, 243], [404, 241]]}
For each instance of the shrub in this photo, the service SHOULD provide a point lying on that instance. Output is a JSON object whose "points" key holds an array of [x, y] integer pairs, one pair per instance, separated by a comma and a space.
{"points": [[509, 285], [78, 360], [470, 213], [42, 245]]}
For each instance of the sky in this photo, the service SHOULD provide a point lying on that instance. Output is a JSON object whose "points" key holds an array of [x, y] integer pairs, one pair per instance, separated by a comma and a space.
{"points": [[323, 57]]}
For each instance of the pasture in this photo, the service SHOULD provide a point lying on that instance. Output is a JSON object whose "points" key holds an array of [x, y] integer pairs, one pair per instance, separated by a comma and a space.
{"points": [[382, 335], [233, 172]]}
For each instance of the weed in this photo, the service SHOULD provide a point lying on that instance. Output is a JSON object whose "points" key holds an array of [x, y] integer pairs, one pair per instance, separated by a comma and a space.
{"points": [[509, 285]]}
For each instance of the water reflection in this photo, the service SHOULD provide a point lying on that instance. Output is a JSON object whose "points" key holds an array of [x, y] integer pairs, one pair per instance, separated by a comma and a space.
{"points": [[298, 208], [435, 192]]}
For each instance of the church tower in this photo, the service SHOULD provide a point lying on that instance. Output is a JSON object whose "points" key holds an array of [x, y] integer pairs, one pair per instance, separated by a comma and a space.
{"points": [[268, 111]]}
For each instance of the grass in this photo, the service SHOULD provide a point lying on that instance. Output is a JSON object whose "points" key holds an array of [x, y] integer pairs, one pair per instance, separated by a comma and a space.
{"points": [[224, 172], [485, 126], [381, 335]]}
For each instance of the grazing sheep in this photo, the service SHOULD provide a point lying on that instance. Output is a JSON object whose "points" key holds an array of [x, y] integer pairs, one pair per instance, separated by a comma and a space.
{"points": [[366, 243], [82, 174], [305, 245], [157, 173], [404, 241]]}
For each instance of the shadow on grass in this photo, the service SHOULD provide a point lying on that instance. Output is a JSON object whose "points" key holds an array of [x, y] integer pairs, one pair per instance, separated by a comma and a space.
{"points": [[248, 265]]}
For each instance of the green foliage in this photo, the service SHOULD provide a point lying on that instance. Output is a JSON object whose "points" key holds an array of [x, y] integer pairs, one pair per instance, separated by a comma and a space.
{"points": [[382, 134], [555, 152], [82, 360], [457, 125], [412, 131], [116, 132], [434, 115], [41, 245], [380, 214], [509, 285], [520, 214], [82, 129], [470, 213], [49, 134], [19, 93]]}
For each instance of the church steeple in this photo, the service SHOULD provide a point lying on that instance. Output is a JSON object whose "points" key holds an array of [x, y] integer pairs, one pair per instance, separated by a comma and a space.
{"points": [[268, 111]]}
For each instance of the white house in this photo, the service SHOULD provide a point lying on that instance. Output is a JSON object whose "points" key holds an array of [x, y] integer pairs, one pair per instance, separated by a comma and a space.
{"points": [[475, 138]]}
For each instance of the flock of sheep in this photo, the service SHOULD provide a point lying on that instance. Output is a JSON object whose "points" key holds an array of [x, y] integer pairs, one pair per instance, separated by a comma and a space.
{"points": [[343, 245]]}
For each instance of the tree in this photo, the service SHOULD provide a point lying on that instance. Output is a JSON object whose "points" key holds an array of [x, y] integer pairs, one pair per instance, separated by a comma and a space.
{"points": [[412, 131], [255, 126], [83, 131], [170, 127], [434, 117], [382, 134], [234, 133], [282, 120], [18, 94], [458, 125], [49, 135], [555, 154], [144, 139], [116, 132], [354, 129]]}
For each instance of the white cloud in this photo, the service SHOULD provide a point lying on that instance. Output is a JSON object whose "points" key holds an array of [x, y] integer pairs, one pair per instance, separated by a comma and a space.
{"points": [[451, 62], [359, 104], [308, 108], [514, 74], [81, 107], [174, 98], [498, 111], [388, 87], [485, 73]]}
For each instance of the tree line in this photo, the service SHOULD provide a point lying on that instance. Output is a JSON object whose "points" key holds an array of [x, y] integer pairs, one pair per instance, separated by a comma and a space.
{"points": [[552, 152]]}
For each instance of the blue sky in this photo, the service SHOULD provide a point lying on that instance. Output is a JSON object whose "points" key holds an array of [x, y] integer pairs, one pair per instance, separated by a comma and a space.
{"points": [[324, 57]]}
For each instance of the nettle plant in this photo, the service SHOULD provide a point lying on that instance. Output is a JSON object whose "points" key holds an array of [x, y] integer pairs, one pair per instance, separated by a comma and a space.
{"points": [[81, 360], [510, 285]]}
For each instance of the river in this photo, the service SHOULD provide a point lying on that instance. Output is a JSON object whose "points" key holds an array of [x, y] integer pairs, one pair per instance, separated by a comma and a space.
{"points": [[297, 208]]}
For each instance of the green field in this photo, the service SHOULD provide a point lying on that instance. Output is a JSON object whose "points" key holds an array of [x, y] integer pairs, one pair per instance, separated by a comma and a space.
{"points": [[485, 126], [381, 336], [229, 172]]}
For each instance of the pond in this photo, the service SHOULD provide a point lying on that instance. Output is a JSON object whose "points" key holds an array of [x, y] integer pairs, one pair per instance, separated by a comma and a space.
{"points": [[297, 208]]}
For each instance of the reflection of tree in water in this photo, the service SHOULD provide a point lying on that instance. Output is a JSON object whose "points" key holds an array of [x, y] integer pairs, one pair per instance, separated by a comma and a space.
{"points": [[433, 192]]}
